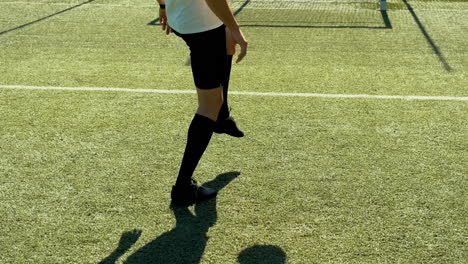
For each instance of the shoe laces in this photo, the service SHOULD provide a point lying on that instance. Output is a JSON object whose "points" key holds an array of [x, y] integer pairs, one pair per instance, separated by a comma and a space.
{"points": [[194, 184]]}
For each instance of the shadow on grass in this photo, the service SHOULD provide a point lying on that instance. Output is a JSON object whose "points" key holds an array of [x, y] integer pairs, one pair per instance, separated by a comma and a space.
{"points": [[183, 244], [266, 254], [46, 17], [428, 38]]}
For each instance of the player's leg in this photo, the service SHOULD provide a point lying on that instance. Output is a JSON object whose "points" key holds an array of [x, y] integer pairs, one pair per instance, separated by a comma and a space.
{"points": [[224, 112], [210, 102], [225, 123], [205, 58], [186, 191]]}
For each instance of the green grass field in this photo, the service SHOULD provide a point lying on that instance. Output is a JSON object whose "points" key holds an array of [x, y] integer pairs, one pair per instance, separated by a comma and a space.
{"points": [[85, 175]]}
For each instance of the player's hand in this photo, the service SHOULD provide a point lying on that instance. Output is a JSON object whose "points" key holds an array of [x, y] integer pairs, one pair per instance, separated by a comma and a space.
{"points": [[163, 21], [230, 43], [235, 37]]}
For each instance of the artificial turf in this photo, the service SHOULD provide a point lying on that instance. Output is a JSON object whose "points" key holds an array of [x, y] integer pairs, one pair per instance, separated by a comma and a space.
{"points": [[85, 176]]}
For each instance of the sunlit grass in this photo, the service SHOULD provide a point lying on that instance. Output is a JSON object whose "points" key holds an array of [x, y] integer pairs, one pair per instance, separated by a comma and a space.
{"points": [[314, 181]]}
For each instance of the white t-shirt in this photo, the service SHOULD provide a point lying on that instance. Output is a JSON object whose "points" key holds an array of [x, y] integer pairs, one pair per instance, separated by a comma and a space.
{"points": [[191, 16]]}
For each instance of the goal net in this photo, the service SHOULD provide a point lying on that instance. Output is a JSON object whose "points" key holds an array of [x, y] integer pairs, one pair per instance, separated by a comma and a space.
{"points": [[313, 13]]}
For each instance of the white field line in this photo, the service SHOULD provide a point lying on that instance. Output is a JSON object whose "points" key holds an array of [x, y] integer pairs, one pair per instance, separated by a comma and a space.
{"points": [[272, 94]]}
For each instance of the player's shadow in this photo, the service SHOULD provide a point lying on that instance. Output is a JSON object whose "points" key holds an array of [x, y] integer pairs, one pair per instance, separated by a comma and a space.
{"points": [[183, 244], [262, 254]]}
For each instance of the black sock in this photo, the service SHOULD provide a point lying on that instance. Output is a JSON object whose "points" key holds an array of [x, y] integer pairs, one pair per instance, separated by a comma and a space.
{"points": [[224, 112], [199, 135]]}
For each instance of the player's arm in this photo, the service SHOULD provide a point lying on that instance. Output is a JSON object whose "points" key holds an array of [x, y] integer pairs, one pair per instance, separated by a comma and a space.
{"points": [[163, 17], [222, 10]]}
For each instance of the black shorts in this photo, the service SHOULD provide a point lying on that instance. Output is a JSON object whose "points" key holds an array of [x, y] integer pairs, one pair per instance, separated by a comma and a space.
{"points": [[208, 57]]}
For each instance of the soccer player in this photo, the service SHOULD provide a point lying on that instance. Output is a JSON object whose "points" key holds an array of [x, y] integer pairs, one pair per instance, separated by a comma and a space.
{"points": [[211, 31]]}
